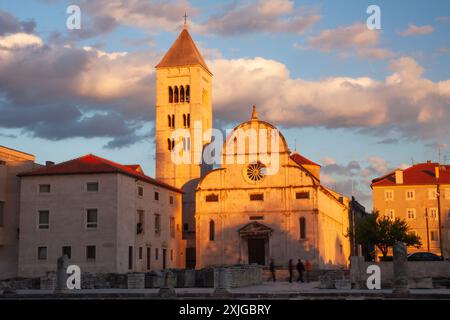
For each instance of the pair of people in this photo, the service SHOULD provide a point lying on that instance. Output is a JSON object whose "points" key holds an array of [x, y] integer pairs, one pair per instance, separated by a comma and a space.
{"points": [[300, 269]]}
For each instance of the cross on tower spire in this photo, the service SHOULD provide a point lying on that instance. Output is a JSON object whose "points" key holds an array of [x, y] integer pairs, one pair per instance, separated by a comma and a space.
{"points": [[185, 20]]}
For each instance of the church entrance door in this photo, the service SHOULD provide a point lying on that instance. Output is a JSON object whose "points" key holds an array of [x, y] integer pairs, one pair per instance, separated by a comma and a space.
{"points": [[256, 251]]}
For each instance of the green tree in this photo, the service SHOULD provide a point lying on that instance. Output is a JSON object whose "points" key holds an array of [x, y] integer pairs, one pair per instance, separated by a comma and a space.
{"points": [[382, 232]]}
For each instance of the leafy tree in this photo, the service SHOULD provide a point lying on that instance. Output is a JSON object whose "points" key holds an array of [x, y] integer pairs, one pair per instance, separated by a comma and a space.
{"points": [[382, 232]]}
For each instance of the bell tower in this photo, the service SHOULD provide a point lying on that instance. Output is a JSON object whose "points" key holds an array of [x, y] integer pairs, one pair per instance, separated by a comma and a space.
{"points": [[183, 101]]}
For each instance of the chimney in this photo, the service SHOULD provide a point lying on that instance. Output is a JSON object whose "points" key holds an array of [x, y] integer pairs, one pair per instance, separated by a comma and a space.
{"points": [[436, 172], [49, 163], [399, 176]]}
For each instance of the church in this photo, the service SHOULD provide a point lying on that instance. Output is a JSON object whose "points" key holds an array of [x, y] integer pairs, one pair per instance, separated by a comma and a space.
{"points": [[244, 211]]}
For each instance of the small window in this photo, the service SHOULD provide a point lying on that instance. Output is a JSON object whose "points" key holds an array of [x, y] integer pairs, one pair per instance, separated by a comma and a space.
{"points": [[302, 195], [410, 195], [149, 258], [185, 226], [433, 214], [388, 195], [130, 257], [432, 194], [212, 230], [44, 188], [302, 224], [140, 191], [67, 251], [140, 224], [188, 122], [140, 253], [157, 224], [184, 120], [181, 94], [2, 208], [411, 214], [92, 186], [90, 252], [156, 195], [390, 214], [156, 253], [171, 199], [434, 236], [44, 219], [257, 197], [212, 198], [169, 145], [176, 95], [256, 218], [42, 253], [188, 94], [170, 95], [91, 218], [172, 227], [169, 121]]}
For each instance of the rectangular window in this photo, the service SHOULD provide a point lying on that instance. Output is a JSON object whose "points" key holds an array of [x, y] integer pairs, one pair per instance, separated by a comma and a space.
{"points": [[390, 213], [256, 218], [67, 250], [171, 255], [91, 218], [388, 195], [302, 195], [149, 258], [44, 188], [171, 199], [140, 253], [156, 195], [42, 253], [410, 195], [92, 187], [432, 194], [172, 227], [302, 228], [140, 191], [140, 223], [90, 252], [212, 198], [434, 236], [156, 253], [157, 224], [130, 257], [411, 213], [433, 213], [185, 226], [44, 219], [2, 217], [257, 197]]}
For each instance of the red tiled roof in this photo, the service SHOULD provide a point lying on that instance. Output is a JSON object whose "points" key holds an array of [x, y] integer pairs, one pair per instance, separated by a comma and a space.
{"points": [[421, 173], [301, 160], [183, 52], [91, 164]]}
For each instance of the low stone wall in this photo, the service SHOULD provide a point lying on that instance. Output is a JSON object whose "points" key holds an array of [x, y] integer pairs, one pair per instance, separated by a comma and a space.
{"points": [[421, 274]]}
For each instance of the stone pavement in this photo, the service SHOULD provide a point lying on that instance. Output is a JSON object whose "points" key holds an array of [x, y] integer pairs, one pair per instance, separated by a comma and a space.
{"points": [[266, 290]]}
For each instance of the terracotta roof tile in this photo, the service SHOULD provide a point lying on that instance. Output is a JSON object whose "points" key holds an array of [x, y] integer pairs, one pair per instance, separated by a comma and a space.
{"points": [[302, 160], [91, 164]]}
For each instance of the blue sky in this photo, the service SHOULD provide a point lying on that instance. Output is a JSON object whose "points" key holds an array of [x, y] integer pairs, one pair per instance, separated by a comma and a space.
{"points": [[394, 112]]}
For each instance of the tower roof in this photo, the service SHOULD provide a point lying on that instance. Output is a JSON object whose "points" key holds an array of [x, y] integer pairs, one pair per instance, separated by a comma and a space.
{"points": [[183, 52]]}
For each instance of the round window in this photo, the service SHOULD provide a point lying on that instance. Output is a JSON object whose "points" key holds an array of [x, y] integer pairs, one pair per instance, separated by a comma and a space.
{"points": [[255, 172]]}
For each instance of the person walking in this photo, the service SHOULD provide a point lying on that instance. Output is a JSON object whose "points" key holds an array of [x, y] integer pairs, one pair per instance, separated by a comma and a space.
{"points": [[308, 269], [272, 269], [300, 269], [291, 270]]}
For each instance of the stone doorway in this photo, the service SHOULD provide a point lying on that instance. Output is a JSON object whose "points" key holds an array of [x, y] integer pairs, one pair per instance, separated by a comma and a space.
{"points": [[254, 243], [257, 251]]}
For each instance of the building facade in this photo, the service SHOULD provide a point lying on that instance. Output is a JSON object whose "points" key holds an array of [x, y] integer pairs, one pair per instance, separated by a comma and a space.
{"points": [[106, 217], [12, 162], [420, 195]]}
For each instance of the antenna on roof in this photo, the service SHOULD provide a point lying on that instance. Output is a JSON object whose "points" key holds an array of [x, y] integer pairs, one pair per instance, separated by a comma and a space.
{"points": [[412, 161]]}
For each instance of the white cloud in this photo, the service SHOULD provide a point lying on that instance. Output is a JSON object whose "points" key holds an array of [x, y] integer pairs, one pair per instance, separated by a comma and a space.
{"points": [[414, 30], [19, 40]]}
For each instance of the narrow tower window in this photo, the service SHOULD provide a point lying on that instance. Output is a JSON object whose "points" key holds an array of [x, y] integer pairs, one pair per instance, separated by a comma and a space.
{"points": [[169, 145], [176, 95], [212, 230], [173, 121], [181, 94], [184, 120], [302, 228], [188, 93], [170, 95], [188, 120], [169, 118]]}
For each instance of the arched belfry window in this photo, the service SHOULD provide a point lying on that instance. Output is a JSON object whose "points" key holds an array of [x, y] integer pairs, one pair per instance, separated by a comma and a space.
{"points": [[184, 120], [169, 145], [212, 230], [181, 94], [188, 121], [188, 93], [170, 95], [176, 95], [169, 121], [173, 121], [173, 144]]}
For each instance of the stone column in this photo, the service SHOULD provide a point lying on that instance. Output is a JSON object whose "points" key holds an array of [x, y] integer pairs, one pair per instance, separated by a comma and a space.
{"points": [[221, 282], [167, 290], [61, 275], [400, 269]]}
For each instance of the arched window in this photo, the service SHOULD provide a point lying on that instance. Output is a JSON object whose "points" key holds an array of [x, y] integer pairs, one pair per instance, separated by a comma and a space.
{"points": [[188, 120], [181, 94], [170, 95], [169, 120], [302, 226], [188, 93], [173, 121], [184, 120], [212, 230], [173, 144], [169, 145], [176, 94]]}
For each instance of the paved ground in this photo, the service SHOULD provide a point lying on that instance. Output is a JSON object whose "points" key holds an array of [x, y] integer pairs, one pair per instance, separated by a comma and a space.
{"points": [[267, 290]]}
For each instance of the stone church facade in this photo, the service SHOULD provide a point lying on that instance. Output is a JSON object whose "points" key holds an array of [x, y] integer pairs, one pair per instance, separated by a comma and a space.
{"points": [[241, 213]]}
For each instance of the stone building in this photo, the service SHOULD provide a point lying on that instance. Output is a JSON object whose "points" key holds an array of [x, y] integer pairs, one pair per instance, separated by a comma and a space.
{"points": [[419, 194], [107, 217], [11, 163]]}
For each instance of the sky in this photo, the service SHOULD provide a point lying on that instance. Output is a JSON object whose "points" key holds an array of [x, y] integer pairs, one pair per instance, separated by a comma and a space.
{"points": [[360, 102]]}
